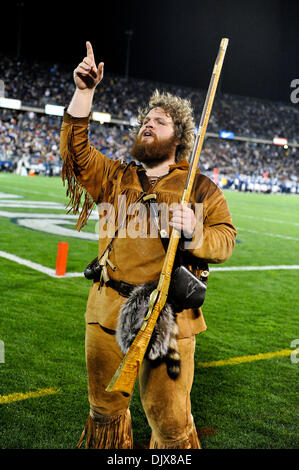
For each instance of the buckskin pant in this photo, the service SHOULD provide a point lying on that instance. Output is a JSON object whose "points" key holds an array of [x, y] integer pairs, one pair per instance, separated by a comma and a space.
{"points": [[166, 402]]}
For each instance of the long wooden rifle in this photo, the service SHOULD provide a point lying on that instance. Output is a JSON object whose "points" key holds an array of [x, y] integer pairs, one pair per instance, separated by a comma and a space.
{"points": [[126, 374]]}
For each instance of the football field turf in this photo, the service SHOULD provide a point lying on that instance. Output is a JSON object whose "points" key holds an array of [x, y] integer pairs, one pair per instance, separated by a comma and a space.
{"points": [[245, 392]]}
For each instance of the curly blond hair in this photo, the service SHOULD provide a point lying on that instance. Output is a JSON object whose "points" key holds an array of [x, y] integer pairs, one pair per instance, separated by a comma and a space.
{"points": [[181, 113]]}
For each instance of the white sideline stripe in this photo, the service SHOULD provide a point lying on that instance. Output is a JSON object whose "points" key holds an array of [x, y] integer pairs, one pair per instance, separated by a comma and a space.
{"points": [[256, 268], [37, 267], [263, 219], [29, 264], [51, 272], [275, 235]]}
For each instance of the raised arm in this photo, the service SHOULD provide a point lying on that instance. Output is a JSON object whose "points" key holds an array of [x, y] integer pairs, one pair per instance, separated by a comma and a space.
{"points": [[85, 169], [86, 77]]}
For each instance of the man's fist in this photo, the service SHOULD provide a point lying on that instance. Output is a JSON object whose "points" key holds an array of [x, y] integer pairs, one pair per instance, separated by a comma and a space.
{"points": [[87, 75], [184, 220]]}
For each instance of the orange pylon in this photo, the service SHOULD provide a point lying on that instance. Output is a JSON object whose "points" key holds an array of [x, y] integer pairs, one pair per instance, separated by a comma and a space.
{"points": [[61, 258]]}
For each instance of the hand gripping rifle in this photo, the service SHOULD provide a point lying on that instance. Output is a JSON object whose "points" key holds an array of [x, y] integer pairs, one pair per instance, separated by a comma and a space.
{"points": [[125, 376]]}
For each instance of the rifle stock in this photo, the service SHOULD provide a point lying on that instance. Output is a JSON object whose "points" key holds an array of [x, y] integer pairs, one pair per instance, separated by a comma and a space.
{"points": [[125, 376]]}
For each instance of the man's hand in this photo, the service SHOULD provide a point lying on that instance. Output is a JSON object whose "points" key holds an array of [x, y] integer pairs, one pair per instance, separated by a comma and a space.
{"points": [[87, 75], [184, 220]]}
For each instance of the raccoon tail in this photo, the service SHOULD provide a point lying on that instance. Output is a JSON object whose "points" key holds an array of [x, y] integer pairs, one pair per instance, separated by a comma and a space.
{"points": [[173, 358]]}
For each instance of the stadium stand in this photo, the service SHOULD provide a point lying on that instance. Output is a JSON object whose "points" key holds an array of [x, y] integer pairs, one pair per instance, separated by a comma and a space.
{"points": [[29, 141]]}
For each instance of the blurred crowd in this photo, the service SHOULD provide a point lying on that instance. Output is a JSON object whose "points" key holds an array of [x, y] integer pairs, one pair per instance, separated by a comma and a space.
{"points": [[32, 140], [29, 141]]}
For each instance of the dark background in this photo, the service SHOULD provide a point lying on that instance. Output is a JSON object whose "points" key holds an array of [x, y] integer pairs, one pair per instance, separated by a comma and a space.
{"points": [[173, 41]]}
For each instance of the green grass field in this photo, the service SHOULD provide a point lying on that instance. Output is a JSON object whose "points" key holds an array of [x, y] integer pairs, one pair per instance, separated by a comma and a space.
{"points": [[250, 404]]}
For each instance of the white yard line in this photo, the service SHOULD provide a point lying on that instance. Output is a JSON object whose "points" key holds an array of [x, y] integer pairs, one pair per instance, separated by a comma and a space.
{"points": [[30, 191], [32, 205], [9, 196], [51, 272], [42, 215]]}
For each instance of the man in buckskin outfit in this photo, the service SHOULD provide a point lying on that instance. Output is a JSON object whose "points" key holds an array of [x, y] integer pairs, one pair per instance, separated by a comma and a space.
{"points": [[163, 142]]}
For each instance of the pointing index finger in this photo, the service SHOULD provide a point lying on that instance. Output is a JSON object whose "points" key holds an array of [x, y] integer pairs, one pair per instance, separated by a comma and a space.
{"points": [[89, 50]]}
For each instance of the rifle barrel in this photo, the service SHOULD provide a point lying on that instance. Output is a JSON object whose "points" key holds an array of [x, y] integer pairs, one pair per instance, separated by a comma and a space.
{"points": [[206, 111]]}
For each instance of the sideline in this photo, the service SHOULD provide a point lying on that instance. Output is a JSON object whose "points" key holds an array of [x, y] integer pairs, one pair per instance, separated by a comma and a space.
{"points": [[284, 222], [256, 268], [52, 273], [267, 234], [37, 267]]}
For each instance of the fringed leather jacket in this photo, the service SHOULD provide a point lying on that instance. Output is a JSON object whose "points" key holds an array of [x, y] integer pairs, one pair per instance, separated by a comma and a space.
{"points": [[138, 259]]}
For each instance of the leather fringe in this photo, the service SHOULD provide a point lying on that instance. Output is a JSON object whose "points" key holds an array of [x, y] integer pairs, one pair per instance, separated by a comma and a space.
{"points": [[115, 433], [192, 442], [70, 170]]}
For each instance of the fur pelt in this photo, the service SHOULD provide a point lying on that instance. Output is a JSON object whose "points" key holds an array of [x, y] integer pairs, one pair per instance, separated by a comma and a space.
{"points": [[163, 343]]}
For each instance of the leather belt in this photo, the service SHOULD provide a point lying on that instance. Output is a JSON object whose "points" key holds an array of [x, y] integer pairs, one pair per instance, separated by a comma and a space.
{"points": [[122, 287]]}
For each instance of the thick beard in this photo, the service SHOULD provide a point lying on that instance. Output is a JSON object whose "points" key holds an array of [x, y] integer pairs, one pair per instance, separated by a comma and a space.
{"points": [[153, 152]]}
